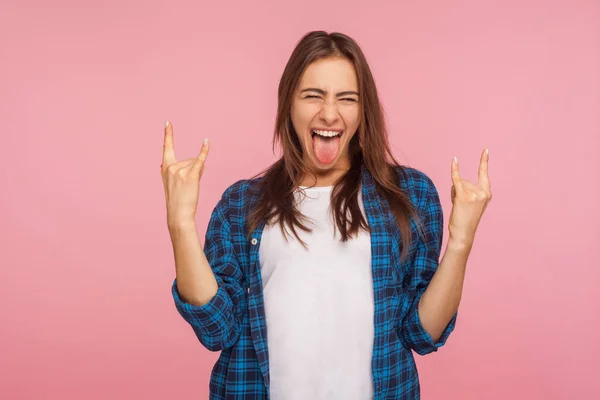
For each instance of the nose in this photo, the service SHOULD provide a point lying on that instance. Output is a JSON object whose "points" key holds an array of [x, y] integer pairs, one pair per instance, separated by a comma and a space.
{"points": [[329, 112]]}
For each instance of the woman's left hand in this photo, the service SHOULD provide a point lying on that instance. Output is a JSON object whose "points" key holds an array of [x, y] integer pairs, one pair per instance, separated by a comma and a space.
{"points": [[469, 201]]}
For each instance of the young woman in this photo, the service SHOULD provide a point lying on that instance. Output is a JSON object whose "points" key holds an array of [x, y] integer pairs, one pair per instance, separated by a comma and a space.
{"points": [[319, 276]]}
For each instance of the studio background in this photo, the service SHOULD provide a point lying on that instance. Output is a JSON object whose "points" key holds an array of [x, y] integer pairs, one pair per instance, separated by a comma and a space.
{"points": [[86, 259]]}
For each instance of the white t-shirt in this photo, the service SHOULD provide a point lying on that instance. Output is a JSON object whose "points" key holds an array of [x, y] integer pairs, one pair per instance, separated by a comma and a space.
{"points": [[319, 307]]}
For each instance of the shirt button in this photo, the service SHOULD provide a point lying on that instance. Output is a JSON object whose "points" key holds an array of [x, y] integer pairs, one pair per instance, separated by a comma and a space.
{"points": [[254, 241], [248, 290]]}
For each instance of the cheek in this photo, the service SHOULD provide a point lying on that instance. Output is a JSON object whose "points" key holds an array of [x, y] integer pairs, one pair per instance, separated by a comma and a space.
{"points": [[300, 118], [351, 118]]}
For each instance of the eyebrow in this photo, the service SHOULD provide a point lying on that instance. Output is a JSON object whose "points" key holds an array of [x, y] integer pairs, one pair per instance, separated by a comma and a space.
{"points": [[323, 92]]}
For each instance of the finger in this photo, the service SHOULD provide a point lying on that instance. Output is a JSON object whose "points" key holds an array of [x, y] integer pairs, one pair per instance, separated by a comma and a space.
{"points": [[168, 149], [473, 192], [467, 185], [484, 179], [184, 164], [199, 163], [456, 175]]}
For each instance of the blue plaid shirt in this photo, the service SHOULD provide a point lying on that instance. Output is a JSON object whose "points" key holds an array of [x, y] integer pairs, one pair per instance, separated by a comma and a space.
{"points": [[233, 322]]}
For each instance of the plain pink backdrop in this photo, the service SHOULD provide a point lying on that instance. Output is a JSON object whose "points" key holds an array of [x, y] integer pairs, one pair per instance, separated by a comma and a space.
{"points": [[87, 263]]}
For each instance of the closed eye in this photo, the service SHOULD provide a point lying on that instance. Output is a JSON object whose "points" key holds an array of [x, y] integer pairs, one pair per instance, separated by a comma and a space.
{"points": [[345, 99]]}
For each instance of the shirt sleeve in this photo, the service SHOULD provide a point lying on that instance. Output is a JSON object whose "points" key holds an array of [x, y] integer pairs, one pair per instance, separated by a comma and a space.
{"points": [[217, 324], [424, 264]]}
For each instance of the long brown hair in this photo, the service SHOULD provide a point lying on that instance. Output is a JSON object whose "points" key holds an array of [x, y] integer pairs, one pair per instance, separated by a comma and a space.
{"points": [[368, 148]]}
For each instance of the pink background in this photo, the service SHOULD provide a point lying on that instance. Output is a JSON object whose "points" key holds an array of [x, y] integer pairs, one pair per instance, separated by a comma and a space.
{"points": [[87, 264]]}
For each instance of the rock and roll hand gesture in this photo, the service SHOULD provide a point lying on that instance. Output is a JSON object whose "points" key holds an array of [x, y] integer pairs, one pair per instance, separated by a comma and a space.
{"points": [[181, 180], [469, 201]]}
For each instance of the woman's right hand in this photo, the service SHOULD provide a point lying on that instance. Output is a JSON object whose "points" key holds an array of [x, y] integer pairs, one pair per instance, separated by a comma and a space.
{"points": [[181, 181]]}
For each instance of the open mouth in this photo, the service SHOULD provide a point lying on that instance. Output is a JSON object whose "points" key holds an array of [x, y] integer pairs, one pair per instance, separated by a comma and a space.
{"points": [[326, 134], [326, 144]]}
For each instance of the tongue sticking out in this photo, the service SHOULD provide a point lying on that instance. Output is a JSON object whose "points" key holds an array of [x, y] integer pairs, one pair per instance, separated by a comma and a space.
{"points": [[326, 149]]}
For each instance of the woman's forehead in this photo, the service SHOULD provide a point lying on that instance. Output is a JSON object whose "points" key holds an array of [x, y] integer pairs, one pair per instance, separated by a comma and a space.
{"points": [[330, 75]]}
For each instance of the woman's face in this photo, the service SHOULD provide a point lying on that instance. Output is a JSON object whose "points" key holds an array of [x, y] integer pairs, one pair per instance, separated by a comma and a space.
{"points": [[326, 113]]}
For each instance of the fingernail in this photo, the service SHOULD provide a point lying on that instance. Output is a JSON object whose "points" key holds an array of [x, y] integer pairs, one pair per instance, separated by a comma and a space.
{"points": [[167, 124], [455, 160], [487, 153], [205, 141]]}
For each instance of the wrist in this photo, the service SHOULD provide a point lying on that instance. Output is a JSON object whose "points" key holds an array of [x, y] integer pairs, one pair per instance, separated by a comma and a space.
{"points": [[177, 225], [459, 244]]}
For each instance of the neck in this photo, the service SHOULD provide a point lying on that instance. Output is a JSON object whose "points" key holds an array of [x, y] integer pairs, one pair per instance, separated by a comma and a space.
{"points": [[324, 178]]}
